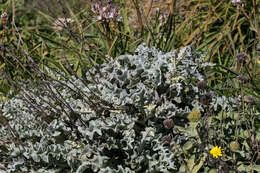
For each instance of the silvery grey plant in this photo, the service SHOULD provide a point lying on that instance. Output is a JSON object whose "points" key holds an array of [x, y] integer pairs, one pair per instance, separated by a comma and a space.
{"points": [[112, 121]]}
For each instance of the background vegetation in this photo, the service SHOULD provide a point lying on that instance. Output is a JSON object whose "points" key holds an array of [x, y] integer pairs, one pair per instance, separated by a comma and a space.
{"points": [[72, 37]]}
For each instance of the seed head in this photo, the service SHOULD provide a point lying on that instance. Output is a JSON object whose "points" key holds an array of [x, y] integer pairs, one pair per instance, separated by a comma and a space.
{"points": [[175, 131], [168, 123], [202, 85], [167, 139], [234, 146], [206, 99], [4, 18], [241, 58]]}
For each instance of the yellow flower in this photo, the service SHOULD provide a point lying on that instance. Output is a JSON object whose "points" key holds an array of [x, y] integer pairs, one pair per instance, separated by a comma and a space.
{"points": [[258, 61], [194, 115], [216, 151]]}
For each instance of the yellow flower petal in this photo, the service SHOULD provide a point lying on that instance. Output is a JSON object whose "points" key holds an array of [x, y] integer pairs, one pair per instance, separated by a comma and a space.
{"points": [[216, 151]]}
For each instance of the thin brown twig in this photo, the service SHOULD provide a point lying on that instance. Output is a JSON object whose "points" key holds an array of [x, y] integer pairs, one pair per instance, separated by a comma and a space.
{"points": [[13, 19]]}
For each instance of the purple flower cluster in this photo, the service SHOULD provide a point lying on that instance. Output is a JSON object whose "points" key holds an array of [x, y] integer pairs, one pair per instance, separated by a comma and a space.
{"points": [[242, 79], [237, 2], [106, 11], [249, 99]]}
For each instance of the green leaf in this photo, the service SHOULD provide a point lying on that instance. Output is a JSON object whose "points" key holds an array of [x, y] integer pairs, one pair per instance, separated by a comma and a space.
{"points": [[187, 146], [192, 166], [191, 163], [257, 168], [249, 168], [198, 166]]}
